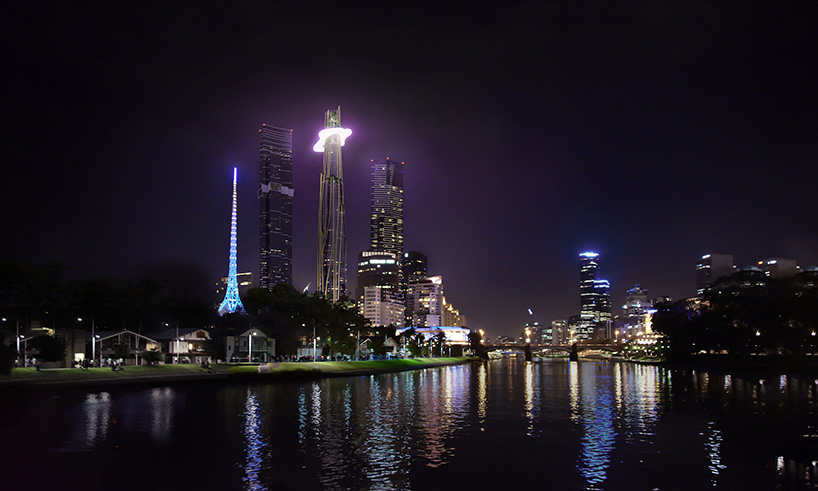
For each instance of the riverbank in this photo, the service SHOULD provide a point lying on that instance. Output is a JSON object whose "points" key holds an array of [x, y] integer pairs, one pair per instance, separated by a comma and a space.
{"points": [[164, 374], [747, 363]]}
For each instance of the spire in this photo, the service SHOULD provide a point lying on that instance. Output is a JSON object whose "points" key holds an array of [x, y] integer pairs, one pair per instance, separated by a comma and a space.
{"points": [[232, 302]]}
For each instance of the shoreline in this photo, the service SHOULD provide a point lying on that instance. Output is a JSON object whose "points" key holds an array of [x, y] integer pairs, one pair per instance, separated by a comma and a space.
{"points": [[174, 374]]}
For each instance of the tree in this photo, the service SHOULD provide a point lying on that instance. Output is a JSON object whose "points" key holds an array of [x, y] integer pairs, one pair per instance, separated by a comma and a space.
{"points": [[52, 348], [152, 356], [214, 346], [122, 350]]}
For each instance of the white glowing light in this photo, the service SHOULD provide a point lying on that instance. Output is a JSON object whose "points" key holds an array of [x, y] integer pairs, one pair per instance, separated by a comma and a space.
{"points": [[328, 132]]}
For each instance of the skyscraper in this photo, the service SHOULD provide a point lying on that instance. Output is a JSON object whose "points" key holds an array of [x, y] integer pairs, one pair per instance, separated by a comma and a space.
{"points": [[380, 285], [275, 197], [232, 302], [595, 296], [710, 268], [332, 253], [415, 266], [386, 226]]}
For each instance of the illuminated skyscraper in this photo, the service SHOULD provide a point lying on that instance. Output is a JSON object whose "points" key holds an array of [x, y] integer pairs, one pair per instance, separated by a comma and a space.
{"points": [[332, 253], [415, 266], [232, 302], [595, 296], [386, 226], [275, 198]]}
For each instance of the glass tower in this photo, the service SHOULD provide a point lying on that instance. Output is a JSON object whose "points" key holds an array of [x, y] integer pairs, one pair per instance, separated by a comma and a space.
{"points": [[595, 296], [275, 197], [386, 226]]}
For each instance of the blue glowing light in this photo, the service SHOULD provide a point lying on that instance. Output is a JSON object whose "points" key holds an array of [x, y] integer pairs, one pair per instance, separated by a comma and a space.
{"points": [[232, 302]]}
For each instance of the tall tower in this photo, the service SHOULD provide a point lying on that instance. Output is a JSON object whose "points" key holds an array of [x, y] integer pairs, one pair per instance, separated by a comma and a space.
{"points": [[275, 198], [232, 302], [595, 297], [386, 227], [332, 253], [589, 266]]}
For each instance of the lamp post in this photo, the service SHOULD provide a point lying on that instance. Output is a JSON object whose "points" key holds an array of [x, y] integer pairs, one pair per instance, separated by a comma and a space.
{"points": [[250, 346], [313, 343]]}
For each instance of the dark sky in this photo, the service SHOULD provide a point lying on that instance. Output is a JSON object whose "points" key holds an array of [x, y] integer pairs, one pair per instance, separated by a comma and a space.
{"points": [[652, 133]]}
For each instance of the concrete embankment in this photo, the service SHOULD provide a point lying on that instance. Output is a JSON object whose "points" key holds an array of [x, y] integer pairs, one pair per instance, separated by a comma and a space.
{"points": [[173, 374]]}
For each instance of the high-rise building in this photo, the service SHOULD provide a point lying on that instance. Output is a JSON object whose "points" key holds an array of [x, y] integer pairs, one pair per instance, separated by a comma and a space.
{"points": [[380, 266], [386, 226], [378, 269], [425, 303], [382, 306], [232, 303], [275, 198], [595, 297], [637, 301], [710, 268], [559, 328], [332, 251], [415, 269]]}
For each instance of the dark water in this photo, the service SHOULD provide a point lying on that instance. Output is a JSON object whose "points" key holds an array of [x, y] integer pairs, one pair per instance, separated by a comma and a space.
{"points": [[503, 424]]}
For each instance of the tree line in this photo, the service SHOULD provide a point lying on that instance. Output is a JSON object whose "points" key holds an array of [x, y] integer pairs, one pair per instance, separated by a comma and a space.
{"points": [[745, 313]]}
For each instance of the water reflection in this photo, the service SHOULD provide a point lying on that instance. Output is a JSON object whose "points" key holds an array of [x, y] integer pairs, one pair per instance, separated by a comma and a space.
{"points": [[162, 403], [596, 413], [587, 424], [712, 444], [97, 408], [254, 444]]}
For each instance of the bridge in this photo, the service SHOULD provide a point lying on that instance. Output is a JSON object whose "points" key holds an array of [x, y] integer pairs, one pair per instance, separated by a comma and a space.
{"points": [[543, 347]]}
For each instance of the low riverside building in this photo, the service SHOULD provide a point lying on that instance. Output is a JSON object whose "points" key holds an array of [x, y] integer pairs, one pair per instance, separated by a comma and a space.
{"points": [[253, 346], [184, 345]]}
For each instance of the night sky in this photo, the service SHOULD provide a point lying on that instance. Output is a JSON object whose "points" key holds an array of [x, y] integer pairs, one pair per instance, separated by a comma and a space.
{"points": [[650, 133]]}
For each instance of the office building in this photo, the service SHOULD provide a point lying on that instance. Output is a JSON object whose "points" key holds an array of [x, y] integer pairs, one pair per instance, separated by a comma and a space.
{"points": [[424, 302], [378, 269], [595, 298], [331, 277], [382, 306], [386, 226], [275, 198], [710, 268]]}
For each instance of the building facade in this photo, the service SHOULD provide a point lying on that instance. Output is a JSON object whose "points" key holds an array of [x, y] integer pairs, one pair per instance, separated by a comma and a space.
{"points": [[424, 300], [386, 225], [595, 298], [710, 268], [275, 198], [382, 306], [380, 286]]}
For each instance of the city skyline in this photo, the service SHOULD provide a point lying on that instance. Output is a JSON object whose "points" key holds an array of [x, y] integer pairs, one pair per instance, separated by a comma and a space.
{"points": [[652, 134]]}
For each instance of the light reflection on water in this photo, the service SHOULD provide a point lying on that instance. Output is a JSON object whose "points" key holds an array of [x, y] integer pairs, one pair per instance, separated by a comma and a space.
{"points": [[254, 444], [587, 424]]}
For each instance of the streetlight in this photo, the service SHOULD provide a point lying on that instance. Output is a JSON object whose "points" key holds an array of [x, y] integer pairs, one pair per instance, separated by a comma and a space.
{"points": [[250, 346], [176, 360]]}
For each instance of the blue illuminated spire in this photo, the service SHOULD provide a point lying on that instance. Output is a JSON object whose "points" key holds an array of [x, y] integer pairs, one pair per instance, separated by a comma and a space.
{"points": [[232, 302]]}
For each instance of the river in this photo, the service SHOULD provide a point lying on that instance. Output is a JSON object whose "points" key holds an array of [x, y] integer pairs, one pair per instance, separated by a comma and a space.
{"points": [[499, 424]]}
